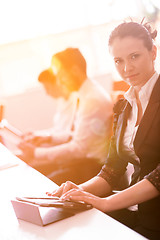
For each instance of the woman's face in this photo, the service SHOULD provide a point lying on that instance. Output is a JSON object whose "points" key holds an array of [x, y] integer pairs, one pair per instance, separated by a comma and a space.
{"points": [[133, 61]]}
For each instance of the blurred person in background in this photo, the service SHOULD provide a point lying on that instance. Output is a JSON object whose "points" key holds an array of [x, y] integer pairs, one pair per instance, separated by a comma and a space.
{"points": [[81, 131]]}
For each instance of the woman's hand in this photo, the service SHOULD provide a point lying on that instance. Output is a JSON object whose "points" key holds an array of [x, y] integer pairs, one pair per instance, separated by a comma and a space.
{"points": [[70, 191], [65, 187], [77, 194]]}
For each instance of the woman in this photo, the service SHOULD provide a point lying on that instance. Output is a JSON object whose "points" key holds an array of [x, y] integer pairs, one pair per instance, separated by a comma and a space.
{"points": [[136, 138]]}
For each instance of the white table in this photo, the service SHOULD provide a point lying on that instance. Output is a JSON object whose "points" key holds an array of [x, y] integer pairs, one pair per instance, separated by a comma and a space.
{"points": [[23, 180]]}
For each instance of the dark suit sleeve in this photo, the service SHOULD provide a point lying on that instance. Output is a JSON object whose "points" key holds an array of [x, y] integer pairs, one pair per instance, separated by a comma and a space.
{"points": [[114, 167], [154, 177]]}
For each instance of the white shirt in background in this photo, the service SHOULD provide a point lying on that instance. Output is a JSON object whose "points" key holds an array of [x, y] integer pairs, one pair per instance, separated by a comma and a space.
{"points": [[89, 125]]}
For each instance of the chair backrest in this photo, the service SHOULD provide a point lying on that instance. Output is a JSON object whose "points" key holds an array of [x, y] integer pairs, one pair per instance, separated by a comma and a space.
{"points": [[120, 86], [118, 90]]}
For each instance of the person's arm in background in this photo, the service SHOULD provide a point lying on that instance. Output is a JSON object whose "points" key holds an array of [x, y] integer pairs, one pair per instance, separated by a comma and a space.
{"points": [[45, 137], [36, 137], [59, 133], [41, 140], [91, 131], [91, 127]]}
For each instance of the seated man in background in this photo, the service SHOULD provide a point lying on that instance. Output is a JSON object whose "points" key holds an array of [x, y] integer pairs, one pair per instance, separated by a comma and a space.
{"points": [[77, 146], [62, 121]]}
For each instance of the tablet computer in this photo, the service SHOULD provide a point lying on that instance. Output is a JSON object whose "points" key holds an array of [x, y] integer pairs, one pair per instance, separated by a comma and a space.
{"points": [[39, 215], [56, 202], [43, 211]]}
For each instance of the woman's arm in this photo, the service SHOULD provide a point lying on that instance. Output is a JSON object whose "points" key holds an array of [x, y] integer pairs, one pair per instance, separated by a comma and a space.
{"points": [[97, 186], [140, 192]]}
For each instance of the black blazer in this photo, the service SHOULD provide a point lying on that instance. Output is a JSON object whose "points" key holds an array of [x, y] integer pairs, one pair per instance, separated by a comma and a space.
{"points": [[147, 148]]}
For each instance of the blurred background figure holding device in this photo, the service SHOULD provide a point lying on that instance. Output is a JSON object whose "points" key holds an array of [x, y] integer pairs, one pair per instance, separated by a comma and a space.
{"points": [[76, 146]]}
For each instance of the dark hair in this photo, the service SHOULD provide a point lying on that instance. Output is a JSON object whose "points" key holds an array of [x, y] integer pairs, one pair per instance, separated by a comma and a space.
{"points": [[71, 57], [136, 30]]}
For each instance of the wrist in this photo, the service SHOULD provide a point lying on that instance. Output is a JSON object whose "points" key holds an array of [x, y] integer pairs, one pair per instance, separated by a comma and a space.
{"points": [[106, 205]]}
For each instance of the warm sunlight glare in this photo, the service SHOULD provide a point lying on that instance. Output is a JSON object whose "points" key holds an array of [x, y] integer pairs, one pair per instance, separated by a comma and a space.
{"points": [[21, 19]]}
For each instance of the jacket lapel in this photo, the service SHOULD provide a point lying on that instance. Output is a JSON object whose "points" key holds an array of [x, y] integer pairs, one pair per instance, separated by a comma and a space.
{"points": [[148, 116]]}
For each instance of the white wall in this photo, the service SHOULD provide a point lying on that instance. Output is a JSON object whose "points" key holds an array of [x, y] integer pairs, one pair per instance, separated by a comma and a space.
{"points": [[21, 62], [30, 110]]}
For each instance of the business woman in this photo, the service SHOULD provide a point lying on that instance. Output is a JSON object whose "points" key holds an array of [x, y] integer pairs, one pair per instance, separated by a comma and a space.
{"points": [[136, 138]]}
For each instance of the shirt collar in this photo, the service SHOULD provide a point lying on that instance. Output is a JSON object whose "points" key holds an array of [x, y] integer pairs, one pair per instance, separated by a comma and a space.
{"points": [[145, 91]]}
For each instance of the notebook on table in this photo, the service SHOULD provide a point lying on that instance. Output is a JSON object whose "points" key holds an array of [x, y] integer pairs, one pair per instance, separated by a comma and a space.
{"points": [[10, 136]]}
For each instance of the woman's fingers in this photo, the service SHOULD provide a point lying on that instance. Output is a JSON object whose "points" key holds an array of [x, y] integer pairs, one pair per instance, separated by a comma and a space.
{"points": [[74, 193], [57, 192], [80, 195], [82, 198], [68, 186], [64, 188]]}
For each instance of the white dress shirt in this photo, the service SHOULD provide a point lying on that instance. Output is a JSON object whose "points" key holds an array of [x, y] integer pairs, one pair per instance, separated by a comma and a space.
{"points": [[89, 125]]}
